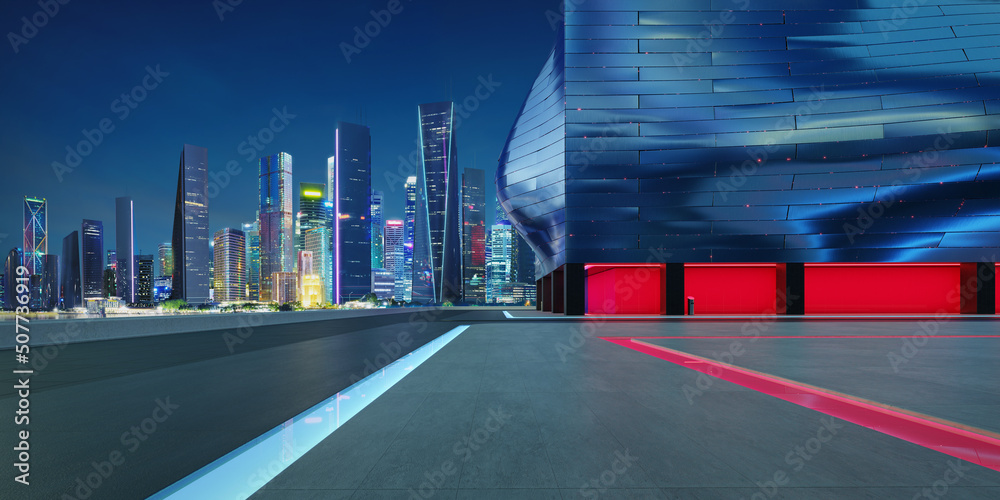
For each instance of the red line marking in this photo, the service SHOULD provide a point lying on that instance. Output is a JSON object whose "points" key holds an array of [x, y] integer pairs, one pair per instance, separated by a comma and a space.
{"points": [[967, 443], [751, 337]]}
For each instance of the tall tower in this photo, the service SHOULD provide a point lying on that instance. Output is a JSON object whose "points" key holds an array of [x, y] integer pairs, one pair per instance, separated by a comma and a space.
{"points": [[125, 250], [312, 211], [190, 239], [230, 265], [349, 185], [144, 279], [93, 258], [437, 253], [166, 258], [377, 231], [474, 234], [69, 272], [277, 252], [251, 230], [36, 230], [394, 231], [408, 226]]}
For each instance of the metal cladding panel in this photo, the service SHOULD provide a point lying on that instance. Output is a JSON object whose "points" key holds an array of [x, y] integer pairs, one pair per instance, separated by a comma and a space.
{"points": [[764, 131]]}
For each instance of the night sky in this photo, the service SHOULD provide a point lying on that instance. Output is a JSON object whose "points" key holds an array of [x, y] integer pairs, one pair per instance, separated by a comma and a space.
{"points": [[224, 79]]}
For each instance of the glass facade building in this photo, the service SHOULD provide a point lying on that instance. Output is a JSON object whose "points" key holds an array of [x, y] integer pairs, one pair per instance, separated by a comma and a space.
{"points": [[36, 229], [190, 242], [312, 211], [92, 232], [410, 211], [230, 269], [378, 231], [473, 235], [277, 249], [782, 133], [437, 239], [394, 232], [165, 253], [252, 232], [10, 264], [318, 242], [349, 185], [125, 250], [144, 280], [69, 272]]}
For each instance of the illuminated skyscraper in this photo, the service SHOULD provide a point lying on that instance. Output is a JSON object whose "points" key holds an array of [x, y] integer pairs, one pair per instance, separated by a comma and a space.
{"points": [[11, 263], [124, 250], [69, 272], [166, 259], [312, 211], [93, 257], [144, 280], [36, 230], [112, 260], [276, 244], [318, 242], [230, 265], [437, 250], [349, 185], [377, 231], [498, 268], [190, 245], [474, 234], [252, 232], [408, 223], [394, 237], [47, 284]]}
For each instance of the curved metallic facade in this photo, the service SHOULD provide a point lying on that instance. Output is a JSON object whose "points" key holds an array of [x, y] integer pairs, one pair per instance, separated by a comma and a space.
{"points": [[762, 131]]}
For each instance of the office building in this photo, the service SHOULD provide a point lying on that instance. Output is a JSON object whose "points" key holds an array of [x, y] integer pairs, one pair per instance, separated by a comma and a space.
{"points": [[230, 267], [383, 283], [310, 292], [92, 261], [318, 243], [124, 250], [499, 265], [165, 252], [312, 211], [69, 272], [285, 287], [112, 260], [190, 243], [10, 275], [473, 234], [394, 237], [349, 185], [410, 211], [46, 284], [36, 230], [377, 231], [437, 250], [144, 280], [252, 232], [275, 216]]}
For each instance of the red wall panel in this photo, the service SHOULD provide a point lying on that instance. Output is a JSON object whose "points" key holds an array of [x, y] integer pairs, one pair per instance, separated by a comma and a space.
{"points": [[882, 288], [624, 290], [731, 288]]}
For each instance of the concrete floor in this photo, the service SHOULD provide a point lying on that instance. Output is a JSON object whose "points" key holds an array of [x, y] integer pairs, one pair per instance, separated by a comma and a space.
{"points": [[584, 418]]}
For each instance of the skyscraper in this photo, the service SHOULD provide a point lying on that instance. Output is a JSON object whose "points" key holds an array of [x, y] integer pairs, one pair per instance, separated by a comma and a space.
{"points": [[112, 260], [10, 265], [48, 283], [190, 238], [522, 261], [408, 225], [312, 211], [474, 234], [377, 231], [437, 253], [166, 259], [124, 250], [36, 230], [275, 209], [310, 292], [394, 237], [230, 265], [69, 271], [318, 242], [93, 256], [144, 280], [498, 268], [252, 232], [349, 186]]}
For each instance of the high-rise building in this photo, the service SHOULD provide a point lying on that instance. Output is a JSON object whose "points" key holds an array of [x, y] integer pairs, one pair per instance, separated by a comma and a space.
{"points": [[162, 286], [252, 232], [285, 287], [408, 225], [165, 252], [11, 263], [498, 268], [437, 251], [349, 185], [112, 260], [312, 211], [318, 242], [394, 238], [144, 277], [124, 250], [383, 283], [230, 279], [69, 272], [92, 232], [310, 292], [190, 243], [48, 283], [275, 214], [36, 230], [110, 288], [377, 231], [474, 234], [522, 261]]}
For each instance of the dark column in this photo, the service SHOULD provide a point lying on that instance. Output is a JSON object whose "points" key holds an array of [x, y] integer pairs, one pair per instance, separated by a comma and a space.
{"points": [[968, 286], [547, 293], [574, 293], [558, 297], [673, 289], [538, 295], [986, 292], [795, 288]]}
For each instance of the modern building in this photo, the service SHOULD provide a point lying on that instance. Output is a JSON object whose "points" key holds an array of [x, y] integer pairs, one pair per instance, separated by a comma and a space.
{"points": [[522, 262], [92, 232], [828, 158], [13, 261], [275, 215], [112, 260], [349, 184], [312, 211], [110, 286], [437, 241], [310, 292], [36, 230], [318, 242], [230, 269], [499, 266], [252, 232], [124, 250], [69, 272], [162, 286], [165, 252], [409, 220], [190, 242], [383, 283], [377, 230], [47, 284], [144, 280], [473, 234], [285, 287], [394, 251]]}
